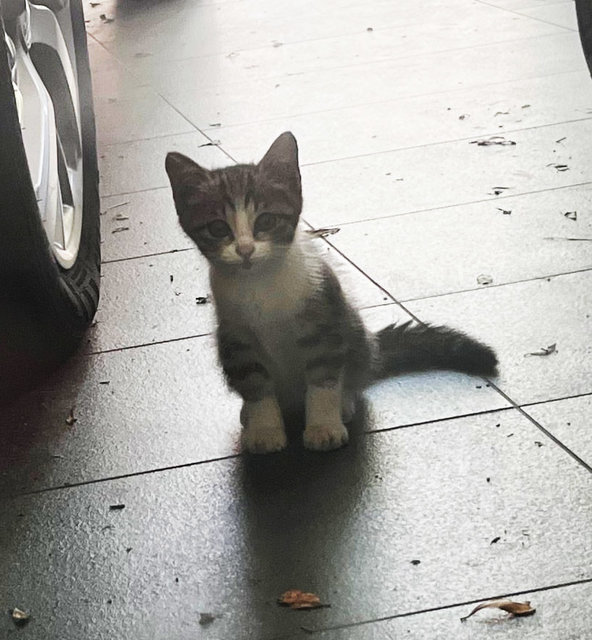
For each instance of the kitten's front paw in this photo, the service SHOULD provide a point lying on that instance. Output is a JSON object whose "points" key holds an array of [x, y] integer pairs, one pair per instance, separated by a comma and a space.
{"points": [[325, 437], [264, 439]]}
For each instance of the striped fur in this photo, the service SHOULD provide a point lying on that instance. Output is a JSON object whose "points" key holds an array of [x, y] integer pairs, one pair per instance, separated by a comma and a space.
{"points": [[287, 336]]}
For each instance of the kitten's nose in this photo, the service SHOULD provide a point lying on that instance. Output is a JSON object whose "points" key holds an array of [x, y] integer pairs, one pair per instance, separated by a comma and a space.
{"points": [[245, 248]]}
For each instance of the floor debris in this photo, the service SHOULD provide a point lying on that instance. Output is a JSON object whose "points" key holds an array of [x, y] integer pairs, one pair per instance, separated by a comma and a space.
{"points": [[296, 599], [19, 617], [545, 351], [484, 279], [70, 419], [493, 140], [513, 608]]}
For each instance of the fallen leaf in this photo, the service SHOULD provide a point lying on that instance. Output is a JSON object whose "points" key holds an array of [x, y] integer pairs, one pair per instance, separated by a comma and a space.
{"points": [[415, 562], [498, 190], [202, 299], [323, 233], [514, 608], [496, 540], [116, 507], [484, 279], [559, 167], [120, 229], [19, 617], [215, 124], [545, 351], [105, 19], [525, 106], [506, 212], [571, 215], [120, 216], [493, 140], [70, 419], [95, 4], [501, 113], [206, 618], [296, 599], [213, 143]]}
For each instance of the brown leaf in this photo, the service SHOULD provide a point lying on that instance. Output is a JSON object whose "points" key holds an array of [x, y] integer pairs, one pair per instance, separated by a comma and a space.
{"points": [[499, 140], [296, 599], [19, 617], [70, 420], [514, 608]]}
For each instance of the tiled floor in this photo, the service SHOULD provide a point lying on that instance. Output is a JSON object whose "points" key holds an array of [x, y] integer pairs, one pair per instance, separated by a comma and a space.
{"points": [[486, 483]]}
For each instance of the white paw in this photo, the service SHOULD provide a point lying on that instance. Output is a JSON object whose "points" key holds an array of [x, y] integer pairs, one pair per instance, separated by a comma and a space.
{"points": [[264, 439], [325, 437]]}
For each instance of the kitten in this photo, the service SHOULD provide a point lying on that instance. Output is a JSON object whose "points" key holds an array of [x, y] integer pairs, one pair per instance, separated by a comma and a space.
{"points": [[287, 336]]}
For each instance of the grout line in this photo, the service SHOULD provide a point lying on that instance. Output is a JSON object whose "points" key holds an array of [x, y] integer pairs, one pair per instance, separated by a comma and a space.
{"points": [[495, 286], [526, 15], [465, 204], [147, 255], [452, 141], [551, 400], [539, 426], [120, 194], [124, 476], [146, 344], [445, 607]]}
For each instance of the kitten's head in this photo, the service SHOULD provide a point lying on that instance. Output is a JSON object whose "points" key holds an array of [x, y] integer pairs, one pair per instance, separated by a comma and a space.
{"points": [[241, 215]]}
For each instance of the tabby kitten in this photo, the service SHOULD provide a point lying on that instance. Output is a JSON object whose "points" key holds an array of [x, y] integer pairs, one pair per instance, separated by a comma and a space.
{"points": [[287, 336]]}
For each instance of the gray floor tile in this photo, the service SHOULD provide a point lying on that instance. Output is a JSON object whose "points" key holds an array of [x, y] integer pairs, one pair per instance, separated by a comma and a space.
{"points": [[386, 126], [209, 538], [560, 613], [440, 33], [206, 29], [446, 174], [135, 410], [525, 318], [139, 165], [447, 250], [562, 14], [140, 304], [569, 421], [151, 221], [147, 116], [254, 101]]}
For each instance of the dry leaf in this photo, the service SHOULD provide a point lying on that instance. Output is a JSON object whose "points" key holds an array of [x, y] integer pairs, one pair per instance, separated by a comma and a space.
{"points": [[498, 190], [120, 229], [514, 608], [571, 215], [202, 299], [322, 233], [545, 351], [506, 212], [484, 279], [206, 619], [499, 140], [213, 143], [19, 617], [296, 599]]}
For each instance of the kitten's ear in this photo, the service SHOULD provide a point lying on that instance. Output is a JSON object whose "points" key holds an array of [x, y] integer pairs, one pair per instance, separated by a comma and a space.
{"points": [[183, 170], [281, 160]]}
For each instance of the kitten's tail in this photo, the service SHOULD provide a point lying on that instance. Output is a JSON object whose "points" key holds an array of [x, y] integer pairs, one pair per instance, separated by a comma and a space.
{"points": [[411, 347]]}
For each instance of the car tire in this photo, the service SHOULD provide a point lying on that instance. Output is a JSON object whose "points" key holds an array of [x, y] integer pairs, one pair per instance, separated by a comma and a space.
{"points": [[45, 308]]}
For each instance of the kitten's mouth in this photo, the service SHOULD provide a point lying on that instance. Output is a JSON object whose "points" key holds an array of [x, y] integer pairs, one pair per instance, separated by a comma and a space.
{"points": [[247, 264]]}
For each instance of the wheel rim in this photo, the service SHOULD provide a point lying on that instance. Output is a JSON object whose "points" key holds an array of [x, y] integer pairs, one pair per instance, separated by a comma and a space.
{"points": [[47, 91]]}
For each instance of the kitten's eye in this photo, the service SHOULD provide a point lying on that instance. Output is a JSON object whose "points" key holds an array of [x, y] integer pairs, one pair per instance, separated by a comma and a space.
{"points": [[218, 228], [265, 222]]}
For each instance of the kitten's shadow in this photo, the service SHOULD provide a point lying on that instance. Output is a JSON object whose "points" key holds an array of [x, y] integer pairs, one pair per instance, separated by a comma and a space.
{"points": [[299, 509]]}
